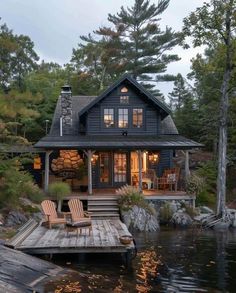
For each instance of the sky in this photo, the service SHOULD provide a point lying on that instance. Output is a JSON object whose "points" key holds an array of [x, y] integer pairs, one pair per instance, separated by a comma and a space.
{"points": [[55, 25]]}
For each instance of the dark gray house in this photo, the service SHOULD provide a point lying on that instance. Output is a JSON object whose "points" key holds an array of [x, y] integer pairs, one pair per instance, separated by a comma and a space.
{"points": [[123, 136]]}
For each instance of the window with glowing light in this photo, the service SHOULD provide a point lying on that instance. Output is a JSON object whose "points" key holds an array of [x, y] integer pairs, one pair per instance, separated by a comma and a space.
{"points": [[138, 118], [123, 118], [109, 118]]}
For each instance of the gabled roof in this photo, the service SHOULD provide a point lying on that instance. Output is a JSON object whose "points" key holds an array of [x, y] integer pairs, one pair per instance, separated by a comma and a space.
{"points": [[127, 77]]}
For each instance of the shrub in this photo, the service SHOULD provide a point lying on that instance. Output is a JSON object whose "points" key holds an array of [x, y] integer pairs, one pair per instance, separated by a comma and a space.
{"points": [[166, 213], [130, 196], [14, 182], [194, 184], [58, 190]]}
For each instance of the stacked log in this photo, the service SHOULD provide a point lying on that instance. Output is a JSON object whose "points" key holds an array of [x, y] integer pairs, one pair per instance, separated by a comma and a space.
{"points": [[68, 160]]}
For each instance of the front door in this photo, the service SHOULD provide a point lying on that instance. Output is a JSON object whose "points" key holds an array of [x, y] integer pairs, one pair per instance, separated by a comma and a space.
{"points": [[120, 169], [104, 169]]}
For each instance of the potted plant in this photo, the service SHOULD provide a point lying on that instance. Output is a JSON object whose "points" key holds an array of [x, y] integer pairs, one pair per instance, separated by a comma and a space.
{"points": [[58, 190]]}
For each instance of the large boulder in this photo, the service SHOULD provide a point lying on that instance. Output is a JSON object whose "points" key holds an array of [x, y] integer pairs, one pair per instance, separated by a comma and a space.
{"points": [[140, 219], [181, 219], [15, 218]]}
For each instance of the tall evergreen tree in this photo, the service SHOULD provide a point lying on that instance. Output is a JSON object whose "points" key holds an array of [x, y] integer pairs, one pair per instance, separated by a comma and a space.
{"points": [[135, 43], [212, 24], [185, 110]]}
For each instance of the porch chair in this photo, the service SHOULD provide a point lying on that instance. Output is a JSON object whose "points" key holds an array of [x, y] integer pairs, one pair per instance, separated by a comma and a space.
{"points": [[50, 213], [80, 218], [169, 179], [151, 174]]}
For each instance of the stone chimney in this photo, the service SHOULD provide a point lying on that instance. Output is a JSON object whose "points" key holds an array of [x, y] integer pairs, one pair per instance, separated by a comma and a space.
{"points": [[66, 110]]}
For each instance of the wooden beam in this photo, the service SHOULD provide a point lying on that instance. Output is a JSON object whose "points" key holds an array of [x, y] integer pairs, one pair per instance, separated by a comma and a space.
{"points": [[187, 171], [89, 154], [140, 170], [46, 171]]}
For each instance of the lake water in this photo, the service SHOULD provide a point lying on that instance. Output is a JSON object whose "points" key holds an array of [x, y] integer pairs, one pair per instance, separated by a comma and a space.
{"points": [[168, 261]]}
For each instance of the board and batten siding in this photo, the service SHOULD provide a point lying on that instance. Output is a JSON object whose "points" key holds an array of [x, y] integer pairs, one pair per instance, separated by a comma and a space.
{"points": [[151, 117]]}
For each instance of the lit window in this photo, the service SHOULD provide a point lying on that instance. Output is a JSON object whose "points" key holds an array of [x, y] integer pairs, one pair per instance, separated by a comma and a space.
{"points": [[123, 118], [120, 167], [124, 100], [109, 118], [138, 118], [124, 90]]}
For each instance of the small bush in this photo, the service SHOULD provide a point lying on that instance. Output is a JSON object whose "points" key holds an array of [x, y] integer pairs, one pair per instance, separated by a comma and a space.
{"points": [[130, 196], [194, 184], [166, 213], [58, 190]]}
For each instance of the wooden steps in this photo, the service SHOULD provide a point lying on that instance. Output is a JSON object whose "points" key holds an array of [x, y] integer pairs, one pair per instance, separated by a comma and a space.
{"points": [[103, 207]]}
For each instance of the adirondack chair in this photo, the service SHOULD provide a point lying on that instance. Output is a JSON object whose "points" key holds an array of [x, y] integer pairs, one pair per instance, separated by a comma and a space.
{"points": [[51, 216], [79, 217]]}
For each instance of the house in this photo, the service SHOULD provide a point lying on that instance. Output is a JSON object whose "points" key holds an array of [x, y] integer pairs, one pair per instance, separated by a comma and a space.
{"points": [[120, 137]]}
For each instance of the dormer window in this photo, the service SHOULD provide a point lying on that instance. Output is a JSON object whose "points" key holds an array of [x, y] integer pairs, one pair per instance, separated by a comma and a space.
{"points": [[124, 100], [108, 117]]}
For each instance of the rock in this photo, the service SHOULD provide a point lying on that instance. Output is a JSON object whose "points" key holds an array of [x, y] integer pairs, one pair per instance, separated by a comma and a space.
{"points": [[181, 219], [201, 218], [206, 210], [232, 216], [139, 219], [15, 218]]}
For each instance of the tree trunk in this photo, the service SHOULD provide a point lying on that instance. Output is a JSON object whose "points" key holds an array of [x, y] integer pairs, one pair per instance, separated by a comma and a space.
{"points": [[224, 104]]}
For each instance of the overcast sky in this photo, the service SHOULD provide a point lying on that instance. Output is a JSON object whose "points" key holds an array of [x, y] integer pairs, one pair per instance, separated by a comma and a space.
{"points": [[55, 25]]}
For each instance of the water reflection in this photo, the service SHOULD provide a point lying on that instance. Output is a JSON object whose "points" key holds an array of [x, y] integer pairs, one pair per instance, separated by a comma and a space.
{"points": [[169, 261]]}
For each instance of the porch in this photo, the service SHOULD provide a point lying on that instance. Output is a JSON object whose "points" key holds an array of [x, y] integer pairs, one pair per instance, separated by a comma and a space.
{"points": [[152, 172]]}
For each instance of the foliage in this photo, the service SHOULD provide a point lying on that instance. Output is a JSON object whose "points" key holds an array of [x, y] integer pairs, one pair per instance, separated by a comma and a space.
{"points": [[194, 184], [130, 196], [15, 183], [17, 58], [212, 24], [185, 110], [133, 42], [59, 190], [18, 110], [165, 213], [202, 183]]}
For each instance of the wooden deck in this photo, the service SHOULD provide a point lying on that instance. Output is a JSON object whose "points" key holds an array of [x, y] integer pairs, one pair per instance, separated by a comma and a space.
{"points": [[37, 239]]}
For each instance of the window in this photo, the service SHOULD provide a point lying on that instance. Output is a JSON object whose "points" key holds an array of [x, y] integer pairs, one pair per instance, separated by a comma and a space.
{"points": [[119, 167], [124, 90], [124, 100], [108, 117], [138, 118], [123, 118]]}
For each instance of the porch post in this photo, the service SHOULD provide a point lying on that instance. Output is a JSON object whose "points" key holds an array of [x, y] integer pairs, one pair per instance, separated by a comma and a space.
{"points": [[89, 155], [46, 170], [187, 171], [140, 170]]}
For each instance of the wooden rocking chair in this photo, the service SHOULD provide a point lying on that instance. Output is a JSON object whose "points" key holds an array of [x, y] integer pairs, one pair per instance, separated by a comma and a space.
{"points": [[50, 213], [79, 217]]}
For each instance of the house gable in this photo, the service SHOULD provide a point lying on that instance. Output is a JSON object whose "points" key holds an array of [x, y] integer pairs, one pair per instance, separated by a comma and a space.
{"points": [[124, 98], [127, 80]]}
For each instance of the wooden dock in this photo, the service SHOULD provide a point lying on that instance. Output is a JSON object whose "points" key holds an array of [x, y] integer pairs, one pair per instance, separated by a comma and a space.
{"points": [[34, 238]]}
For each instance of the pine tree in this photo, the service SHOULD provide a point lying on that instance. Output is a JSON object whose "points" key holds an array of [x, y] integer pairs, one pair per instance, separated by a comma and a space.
{"points": [[134, 43]]}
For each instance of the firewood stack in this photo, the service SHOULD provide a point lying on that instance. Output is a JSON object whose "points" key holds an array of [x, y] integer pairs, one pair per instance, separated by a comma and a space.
{"points": [[68, 160]]}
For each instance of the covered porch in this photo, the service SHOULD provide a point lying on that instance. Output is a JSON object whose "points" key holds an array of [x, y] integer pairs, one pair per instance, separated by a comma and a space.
{"points": [[152, 172]]}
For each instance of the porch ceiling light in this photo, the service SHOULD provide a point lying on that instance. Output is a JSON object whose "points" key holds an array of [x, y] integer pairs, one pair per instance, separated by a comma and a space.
{"points": [[154, 157]]}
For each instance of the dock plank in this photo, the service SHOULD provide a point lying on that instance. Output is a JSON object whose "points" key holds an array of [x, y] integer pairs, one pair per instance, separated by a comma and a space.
{"points": [[104, 238]]}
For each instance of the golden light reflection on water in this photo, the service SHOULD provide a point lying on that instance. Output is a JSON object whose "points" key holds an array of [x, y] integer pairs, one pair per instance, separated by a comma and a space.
{"points": [[147, 270]]}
